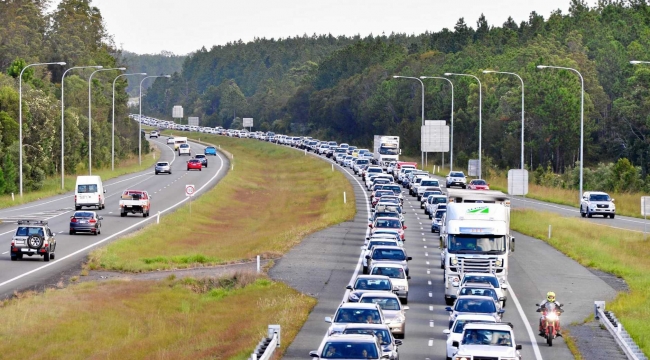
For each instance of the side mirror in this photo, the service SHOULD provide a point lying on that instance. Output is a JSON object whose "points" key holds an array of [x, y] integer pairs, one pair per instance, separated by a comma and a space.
{"points": [[512, 244], [313, 353], [454, 344], [446, 331], [518, 347], [406, 307], [409, 258], [404, 227], [349, 287], [368, 257], [328, 319], [448, 308], [537, 305], [408, 278], [398, 342], [101, 218], [502, 298], [104, 191], [370, 225], [501, 311]]}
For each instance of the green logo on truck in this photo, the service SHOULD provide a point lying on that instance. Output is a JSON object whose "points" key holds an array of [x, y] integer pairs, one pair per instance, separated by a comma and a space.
{"points": [[479, 210]]}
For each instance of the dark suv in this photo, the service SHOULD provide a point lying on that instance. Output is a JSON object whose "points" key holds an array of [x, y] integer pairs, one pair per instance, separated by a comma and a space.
{"points": [[203, 158]]}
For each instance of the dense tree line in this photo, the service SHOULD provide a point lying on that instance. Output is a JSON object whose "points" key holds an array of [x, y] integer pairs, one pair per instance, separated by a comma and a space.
{"points": [[153, 64], [73, 33], [343, 88]]}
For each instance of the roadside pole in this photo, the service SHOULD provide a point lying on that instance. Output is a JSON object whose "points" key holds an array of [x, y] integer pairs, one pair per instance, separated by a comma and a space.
{"points": [[189, 192]]}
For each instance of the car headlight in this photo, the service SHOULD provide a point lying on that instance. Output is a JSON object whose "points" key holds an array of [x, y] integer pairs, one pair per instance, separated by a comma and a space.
{"points": [[400, 287], [353, 296], [399, 319], [461, 358], [454, 261], [454, 280], [499, 262]]}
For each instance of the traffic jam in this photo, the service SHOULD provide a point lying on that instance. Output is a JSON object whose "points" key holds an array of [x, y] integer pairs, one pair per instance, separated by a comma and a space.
{"points": [[468, 238]]}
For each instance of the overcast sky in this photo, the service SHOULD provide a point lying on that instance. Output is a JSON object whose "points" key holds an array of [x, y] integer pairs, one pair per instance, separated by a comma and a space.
{"points": [[183, 26]]}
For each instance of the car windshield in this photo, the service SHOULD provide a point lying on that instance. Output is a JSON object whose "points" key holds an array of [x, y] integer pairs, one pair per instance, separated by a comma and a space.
{"points": [[391, 272], [431, 192], [210, 148], [480, 291], [29, 230], [383, 192], [372, 284], [429, 183], [368, 316], [195, 161], [439, 214], [487, 337], [479, 182], [379, 242], [384, 303], [382, 335], [388, 254], [162, 164], [184, 146], [362, 162], [598, 197], [460, 325], [491, 280], [456, 174], [375, 170], [472, 243], [84, 214], [91, 188], [394, 188], [474, 305], [388, 223], [387, 214], [199, 156], [349, 350]]}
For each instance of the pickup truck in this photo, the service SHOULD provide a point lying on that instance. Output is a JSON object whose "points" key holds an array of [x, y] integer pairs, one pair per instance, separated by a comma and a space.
{"points": [[135, 202]]}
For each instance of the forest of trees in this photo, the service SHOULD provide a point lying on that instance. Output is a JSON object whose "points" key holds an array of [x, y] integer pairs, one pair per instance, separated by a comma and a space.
{"points": [[342, 88], [74, 33], [153, 64]]}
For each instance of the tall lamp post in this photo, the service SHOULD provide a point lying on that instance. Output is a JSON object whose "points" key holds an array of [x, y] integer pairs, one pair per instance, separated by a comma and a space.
{"points": [[63, 118], [582, 115], [451, 148], [113, 131], [90, 116], [522, 108], [140, 117], [20, 117], [480, 118], [421, 83]]}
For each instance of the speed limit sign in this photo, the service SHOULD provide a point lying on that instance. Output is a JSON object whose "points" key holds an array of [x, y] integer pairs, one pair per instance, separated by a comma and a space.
{"points": [[189, 190]]}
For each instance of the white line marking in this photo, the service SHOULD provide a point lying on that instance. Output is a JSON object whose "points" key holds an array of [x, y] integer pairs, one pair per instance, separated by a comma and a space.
{"points": [[6, 252], [112, 236], [430, 307], [429, 282], [430, 342], [531, 334], [426, 254], [430, 323]]}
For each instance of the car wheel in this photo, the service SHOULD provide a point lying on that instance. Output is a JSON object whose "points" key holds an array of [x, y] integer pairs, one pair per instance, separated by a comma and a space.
{"points": [[365, 270], [201, 169], [405, 300], [122, 214], [99, 230], [611, 216], [46, 257], [72, 232], [582, 213], [156, 172], [52, 256], [588, 214], [449, 302], [14, 258], [77, 207]]}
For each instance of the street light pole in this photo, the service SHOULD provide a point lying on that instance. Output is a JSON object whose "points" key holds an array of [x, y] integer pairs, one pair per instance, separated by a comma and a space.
{"points": [[480, 119], [63, 118], [451, 147], [20, 117], [522, 108], [421, 83], [582, 113], [90, 116], [113, 131], [140, 117]]}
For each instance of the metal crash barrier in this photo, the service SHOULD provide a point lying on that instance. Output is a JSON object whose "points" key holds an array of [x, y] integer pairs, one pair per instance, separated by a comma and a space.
{"points": [[268, 344], [615, 328]]}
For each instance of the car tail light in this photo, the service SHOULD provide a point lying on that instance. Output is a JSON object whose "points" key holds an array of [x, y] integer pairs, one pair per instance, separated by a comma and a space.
{"points": [[13, 242], [92, 221], [100, 199], [75, 199], [74, 220]]}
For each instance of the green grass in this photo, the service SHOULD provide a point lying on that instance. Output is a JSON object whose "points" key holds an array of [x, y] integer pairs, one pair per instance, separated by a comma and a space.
{"points": [[168, 319], [625, 254], [274, 197], [52, 185]]}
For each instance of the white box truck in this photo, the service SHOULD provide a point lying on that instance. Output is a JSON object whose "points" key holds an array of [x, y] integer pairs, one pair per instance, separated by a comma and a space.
{"points": [[89, 192], [475, 237], [386, 149]]}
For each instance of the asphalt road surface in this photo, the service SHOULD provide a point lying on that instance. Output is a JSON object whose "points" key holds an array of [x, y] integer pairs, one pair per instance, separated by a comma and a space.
{"points": [[329, 260], [167, 192]]}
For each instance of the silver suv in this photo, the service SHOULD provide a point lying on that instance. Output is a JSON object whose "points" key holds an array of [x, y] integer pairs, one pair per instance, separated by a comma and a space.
{"points": [[163, 167], [33, 237]]}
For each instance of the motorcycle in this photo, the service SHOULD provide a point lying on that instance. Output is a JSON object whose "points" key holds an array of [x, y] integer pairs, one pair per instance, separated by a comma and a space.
{"points": [[551, 323]]}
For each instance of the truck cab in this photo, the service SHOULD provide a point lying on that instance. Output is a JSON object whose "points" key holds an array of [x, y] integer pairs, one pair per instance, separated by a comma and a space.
{"points": [[475, 237]]}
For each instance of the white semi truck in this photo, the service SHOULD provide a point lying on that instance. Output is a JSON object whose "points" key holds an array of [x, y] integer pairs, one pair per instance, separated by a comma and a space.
{"points": [[475, 237], [386, 149]]}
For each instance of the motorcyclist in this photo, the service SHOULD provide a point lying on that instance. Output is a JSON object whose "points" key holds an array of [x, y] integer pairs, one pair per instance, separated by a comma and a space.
{"points": [[550, 298]]}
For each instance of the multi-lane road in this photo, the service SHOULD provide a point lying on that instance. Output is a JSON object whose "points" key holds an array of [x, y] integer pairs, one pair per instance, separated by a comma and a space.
{"points": [[167, 192], [330, 260]]}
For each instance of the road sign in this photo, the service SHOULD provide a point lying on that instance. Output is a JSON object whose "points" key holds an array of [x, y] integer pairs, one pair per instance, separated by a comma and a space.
{"points": [[193, 121], [645, 205], [177, 112], [517, 182], [435, 136], [473, 167], [248, 122], [189, 190]]}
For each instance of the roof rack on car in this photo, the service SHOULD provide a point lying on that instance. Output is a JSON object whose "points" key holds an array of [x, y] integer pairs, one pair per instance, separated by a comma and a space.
{"points": [[32, 222]]}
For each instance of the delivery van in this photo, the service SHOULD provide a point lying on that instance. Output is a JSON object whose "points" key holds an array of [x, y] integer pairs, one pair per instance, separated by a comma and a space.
{"points": [[89, 192], [179, 140]]}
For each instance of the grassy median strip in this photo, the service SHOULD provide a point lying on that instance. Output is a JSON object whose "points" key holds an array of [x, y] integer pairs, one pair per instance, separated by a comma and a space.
{"points": [[170, 319], [52, 185], [625, 254], [274, 197]]}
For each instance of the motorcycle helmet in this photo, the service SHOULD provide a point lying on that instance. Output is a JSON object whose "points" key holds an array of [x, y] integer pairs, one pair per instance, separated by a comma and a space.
{"points": [[550, 296]]}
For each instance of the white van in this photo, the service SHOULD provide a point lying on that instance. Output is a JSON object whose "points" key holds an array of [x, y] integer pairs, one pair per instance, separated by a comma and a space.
{"points": [[89, 191], [179, 140]]}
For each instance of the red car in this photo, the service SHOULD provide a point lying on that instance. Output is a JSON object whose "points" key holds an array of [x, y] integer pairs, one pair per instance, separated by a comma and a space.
{"points": [[478, 184], [194, 164]]}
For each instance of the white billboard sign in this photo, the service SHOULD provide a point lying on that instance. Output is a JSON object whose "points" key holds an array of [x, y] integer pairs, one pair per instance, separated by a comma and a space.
{"points": [[435, 138], [248, 122], [193, 121], [473, 167], [177, 112], [645, 205], [517, 182]]}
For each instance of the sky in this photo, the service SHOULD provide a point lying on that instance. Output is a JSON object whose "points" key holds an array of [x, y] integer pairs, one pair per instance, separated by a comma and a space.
{"points": [[184, 26]]}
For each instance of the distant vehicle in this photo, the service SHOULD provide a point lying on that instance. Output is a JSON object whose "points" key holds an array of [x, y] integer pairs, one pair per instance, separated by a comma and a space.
{"points": [[344, 347], [135, 202], [89, 192], [184, 149], [210, 150], [33, 237], [86, 221], [478, 184], [170, 140], [194, 164], [154, 134], [597, 203], [391, 307], [203, 158], [386, 150], [178, 141], [163, 167], [456, 178]]}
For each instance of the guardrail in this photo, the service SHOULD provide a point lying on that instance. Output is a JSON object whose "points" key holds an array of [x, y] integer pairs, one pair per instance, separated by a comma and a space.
{"points": [[623, 339], [268, 344]]}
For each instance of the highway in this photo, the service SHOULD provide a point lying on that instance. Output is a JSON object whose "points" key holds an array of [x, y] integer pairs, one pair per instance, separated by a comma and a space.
{"points": [[329, 260], [167, 192]]}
